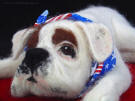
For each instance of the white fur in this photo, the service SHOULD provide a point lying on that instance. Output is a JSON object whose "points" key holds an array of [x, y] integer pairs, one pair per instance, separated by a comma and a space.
{"points": [[8, 66], [122, 31], [109, 30]]}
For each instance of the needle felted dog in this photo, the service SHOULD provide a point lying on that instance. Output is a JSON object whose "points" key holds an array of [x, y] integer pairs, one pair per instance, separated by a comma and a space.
{"points": [[79, 54]]}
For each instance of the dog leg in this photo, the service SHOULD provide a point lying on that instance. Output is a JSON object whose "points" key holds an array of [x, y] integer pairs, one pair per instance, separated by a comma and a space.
{"points": [[125, 38], [111, 86], [122, 31], [8, 66], [128, 56]]}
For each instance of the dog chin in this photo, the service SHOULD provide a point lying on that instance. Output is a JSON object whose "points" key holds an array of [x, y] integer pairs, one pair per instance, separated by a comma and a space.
{"points": [[43, 92], [22, 87]]}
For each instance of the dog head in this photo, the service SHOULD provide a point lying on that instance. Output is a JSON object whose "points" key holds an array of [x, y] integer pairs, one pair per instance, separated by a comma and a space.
{"points": [[58, 59]]}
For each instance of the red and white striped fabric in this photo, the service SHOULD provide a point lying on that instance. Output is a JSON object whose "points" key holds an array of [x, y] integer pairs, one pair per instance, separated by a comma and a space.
{"points": [[99, 68], [60, 17]]}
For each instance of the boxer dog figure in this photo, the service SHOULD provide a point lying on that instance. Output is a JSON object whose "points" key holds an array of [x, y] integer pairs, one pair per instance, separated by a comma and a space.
{"points": [[79, 54]]}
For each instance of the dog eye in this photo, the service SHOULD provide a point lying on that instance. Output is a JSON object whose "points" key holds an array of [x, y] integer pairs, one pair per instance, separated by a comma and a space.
{"points": [[68, 50]]}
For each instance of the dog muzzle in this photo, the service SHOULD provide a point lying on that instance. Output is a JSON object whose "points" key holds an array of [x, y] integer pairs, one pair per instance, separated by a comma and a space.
{"points": [[98, 70]]}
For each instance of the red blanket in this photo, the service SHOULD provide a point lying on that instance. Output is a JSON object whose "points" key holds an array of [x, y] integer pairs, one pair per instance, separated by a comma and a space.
{"points": [[129, 95]]}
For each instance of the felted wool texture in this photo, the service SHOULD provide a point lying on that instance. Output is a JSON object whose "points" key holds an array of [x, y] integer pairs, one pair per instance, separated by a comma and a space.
{"points": [[5, 95]]}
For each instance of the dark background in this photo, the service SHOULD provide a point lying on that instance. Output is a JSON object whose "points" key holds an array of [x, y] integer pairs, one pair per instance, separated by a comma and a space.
{"points": [[18, 14]]}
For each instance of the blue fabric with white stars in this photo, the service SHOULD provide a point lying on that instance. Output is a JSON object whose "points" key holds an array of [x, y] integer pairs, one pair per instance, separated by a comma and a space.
{"points": [[108, 65], [77, 17]]}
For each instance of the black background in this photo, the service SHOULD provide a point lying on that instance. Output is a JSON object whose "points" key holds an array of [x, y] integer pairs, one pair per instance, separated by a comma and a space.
{"points": [[18, 14]]}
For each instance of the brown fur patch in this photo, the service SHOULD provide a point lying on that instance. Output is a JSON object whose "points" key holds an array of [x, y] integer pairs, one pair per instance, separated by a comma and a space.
{"points": [[33, 40], [63, 35]]}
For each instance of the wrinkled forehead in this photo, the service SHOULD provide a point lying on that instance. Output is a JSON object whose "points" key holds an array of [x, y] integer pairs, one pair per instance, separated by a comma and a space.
{"points": [[55, 32]]}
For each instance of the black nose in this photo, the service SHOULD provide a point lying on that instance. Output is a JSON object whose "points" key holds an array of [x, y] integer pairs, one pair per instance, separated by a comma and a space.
{"points": [[34, 57]]}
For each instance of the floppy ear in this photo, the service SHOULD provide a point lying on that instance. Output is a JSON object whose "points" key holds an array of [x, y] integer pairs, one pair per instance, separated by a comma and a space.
{"points": [[9, 65], [19, 41], [99, 38]]}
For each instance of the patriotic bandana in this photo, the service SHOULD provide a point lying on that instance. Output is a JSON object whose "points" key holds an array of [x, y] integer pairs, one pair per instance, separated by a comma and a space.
{"points": [[98, 70]]}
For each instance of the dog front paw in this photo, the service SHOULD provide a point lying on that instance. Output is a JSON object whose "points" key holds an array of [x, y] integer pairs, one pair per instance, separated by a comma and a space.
{"points": [[107, 97]]}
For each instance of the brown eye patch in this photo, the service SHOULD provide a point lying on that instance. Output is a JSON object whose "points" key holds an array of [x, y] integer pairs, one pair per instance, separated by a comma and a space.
{"points": [[63, 35]]}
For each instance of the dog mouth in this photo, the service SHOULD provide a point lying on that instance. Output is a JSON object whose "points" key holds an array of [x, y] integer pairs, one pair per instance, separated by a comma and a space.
{"points": [[32, 72], [32, 79]]}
